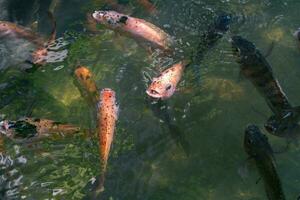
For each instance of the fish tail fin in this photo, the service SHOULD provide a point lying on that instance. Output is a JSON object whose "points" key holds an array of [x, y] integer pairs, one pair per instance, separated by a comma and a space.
{"points": [[52, 36], [100, 187], [94, 189], [180, 139]]}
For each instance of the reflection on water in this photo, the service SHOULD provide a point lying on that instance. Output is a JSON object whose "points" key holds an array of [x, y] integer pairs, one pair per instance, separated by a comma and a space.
{"points": [[211, 106]]}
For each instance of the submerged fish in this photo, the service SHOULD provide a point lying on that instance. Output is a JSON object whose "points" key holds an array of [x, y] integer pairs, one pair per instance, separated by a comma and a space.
{"points": [[107, 117], [87, 85], [11, 30], [256, 68], [147, 5], [257, 147], [160, 111], [138, 29], [164, 86], [31, 129]]}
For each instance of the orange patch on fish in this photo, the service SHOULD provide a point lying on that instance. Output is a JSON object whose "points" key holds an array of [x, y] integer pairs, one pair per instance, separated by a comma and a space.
{"points": [[164, 86], [85, 79], [107, 117]]}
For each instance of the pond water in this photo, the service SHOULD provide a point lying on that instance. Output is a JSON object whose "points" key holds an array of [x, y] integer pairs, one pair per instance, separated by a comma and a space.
{"points": [[212, 105]]}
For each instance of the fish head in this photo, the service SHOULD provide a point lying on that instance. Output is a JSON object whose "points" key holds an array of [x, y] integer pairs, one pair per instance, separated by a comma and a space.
{"points": [[161, 88], [83, 73], [108, 98], [222, 22], [255, 142], [283, 127], [297, 34], [4, 26], [243, 49], [111, 19], [272, 125]]}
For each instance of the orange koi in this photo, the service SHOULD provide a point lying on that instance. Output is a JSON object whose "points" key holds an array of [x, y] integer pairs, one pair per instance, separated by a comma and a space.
{"points": [[107, 117], [88, 86]]}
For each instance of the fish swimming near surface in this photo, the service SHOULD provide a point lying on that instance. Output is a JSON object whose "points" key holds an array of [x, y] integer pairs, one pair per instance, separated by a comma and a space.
{"points": [[258, 148], [107, 118], [31, 129], [164, 86], [11, 30], [142, 31], [87, 85], [256, 68]]}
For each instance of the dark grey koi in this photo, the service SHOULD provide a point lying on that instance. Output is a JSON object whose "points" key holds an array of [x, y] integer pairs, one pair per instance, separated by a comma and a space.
{"points": [[256, 68], [257, 147]]}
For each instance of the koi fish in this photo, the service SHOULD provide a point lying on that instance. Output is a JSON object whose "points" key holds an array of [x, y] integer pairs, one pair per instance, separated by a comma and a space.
{"points": [[87, 85], [257, 147], [11, 30], [32, 129], [140, 30], [159, 109], [256, 68], [107, 117], [164, 86]]}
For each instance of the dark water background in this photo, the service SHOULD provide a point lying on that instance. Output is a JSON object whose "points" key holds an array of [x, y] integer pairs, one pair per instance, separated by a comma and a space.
{"points": [[212, 107]]}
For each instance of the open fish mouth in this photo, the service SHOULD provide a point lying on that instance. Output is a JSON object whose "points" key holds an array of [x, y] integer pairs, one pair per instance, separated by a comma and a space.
{"points": [[98, 15], [154, 93]]}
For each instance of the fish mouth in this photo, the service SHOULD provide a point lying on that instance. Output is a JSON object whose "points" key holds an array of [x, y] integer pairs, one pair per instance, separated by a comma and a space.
{"points": [[98, 15], [108, 91], [154, 94]]}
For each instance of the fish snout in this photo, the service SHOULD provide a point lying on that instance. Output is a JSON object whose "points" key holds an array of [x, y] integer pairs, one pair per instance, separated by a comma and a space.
{"points": [[154, 93], [98, 15], [297, 34]]}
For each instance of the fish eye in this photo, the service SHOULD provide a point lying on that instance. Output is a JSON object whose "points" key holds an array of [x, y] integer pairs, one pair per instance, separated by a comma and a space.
{"points": [[249, 141], [168, 87]]}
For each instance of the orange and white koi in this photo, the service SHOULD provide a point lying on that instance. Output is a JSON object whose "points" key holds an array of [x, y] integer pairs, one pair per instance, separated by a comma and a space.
{"points": [[164, 86], [11, 30], [88, 86], [107, 117], [138, 29]]}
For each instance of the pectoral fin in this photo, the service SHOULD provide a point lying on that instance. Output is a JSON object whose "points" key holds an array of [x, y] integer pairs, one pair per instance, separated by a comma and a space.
{"points": [[269, 50]]}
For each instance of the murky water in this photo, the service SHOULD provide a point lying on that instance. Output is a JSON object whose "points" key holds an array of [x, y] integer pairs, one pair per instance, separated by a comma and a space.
{"points": [[212, 106]]}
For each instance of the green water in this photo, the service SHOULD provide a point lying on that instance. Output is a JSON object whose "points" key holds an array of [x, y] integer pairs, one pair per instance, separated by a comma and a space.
{"points": [[211, 108]]}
